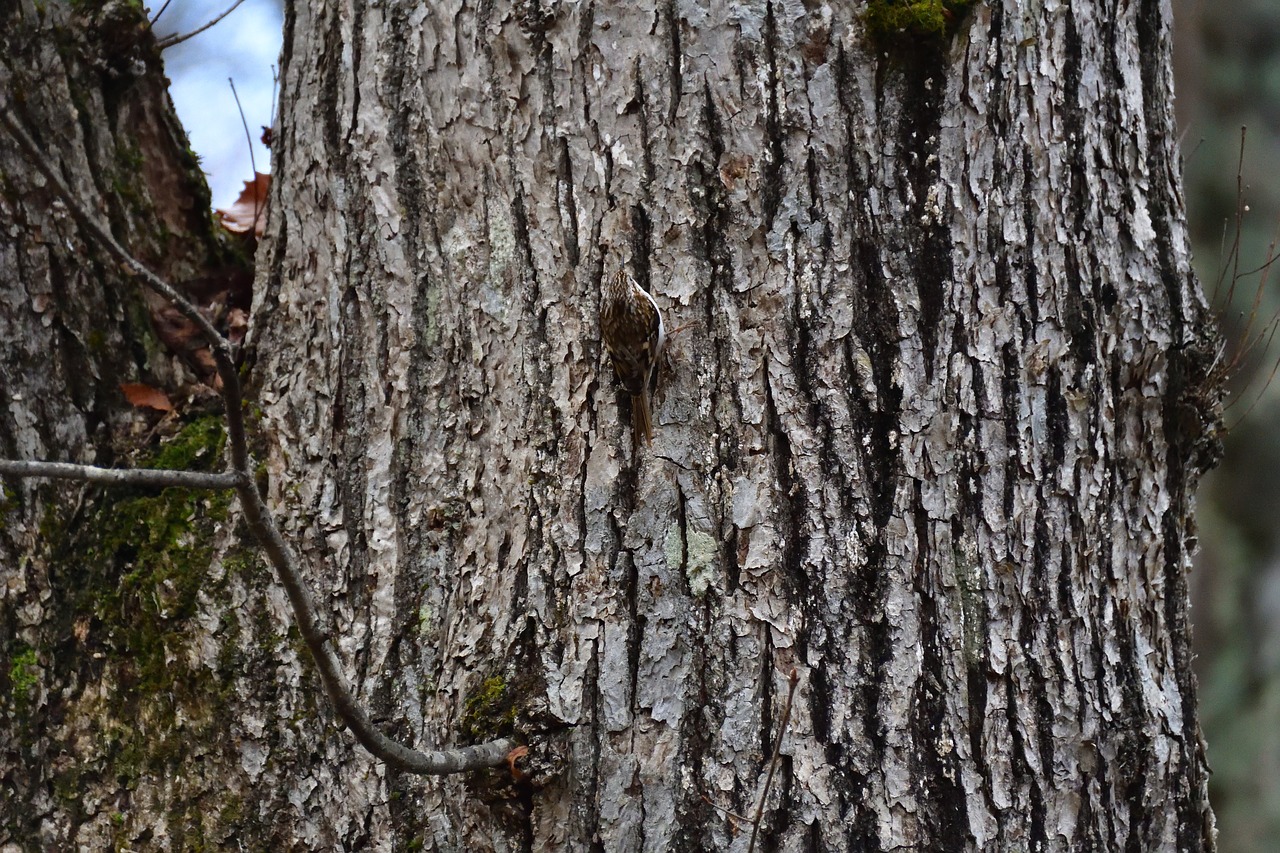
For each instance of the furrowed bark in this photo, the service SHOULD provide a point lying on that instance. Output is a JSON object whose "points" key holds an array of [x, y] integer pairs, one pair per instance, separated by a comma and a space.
{"points": [[931, 439]]}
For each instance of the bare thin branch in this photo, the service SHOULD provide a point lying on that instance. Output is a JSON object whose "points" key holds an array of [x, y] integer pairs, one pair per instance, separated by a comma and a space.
{"points": [[253, 162], [170, 41], [1233, 257], [397, 755], [120, 476], [152, 23], [733, 816], [792, 680]]}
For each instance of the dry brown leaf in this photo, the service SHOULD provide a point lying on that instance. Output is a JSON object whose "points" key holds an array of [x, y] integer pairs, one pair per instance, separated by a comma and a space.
{"points": [[237, 324], [144, 396], [176, 332], [512, 757], [249, 214]]}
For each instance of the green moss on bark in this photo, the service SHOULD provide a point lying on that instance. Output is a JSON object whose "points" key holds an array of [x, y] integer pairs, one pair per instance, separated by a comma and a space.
{"points": [[130, 573], [490, 711], [916, 22], [24, 676]]}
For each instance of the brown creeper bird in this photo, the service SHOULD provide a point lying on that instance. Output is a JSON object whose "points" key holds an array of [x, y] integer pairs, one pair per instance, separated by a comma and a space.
{"points": [[634, 334]]}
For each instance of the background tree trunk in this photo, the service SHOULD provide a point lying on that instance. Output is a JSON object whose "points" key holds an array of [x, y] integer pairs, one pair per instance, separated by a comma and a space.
{"points": [[114, 692], [930, 437]]}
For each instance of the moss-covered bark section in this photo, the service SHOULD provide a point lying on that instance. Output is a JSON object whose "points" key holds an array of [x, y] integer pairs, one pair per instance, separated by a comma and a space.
{"points": [[130, 667], [125, 619]]}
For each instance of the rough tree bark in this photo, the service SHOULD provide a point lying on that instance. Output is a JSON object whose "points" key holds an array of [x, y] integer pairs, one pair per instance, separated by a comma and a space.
{"points": [[930, 438], [106, 691]]}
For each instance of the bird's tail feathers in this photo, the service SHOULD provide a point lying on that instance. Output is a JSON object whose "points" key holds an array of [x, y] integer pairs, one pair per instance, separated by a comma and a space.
{"points": [[641, 422]]}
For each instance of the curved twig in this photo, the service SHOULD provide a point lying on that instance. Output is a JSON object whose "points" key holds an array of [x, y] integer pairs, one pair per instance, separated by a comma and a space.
{"points": [[169, 41], [258, 516], [793, 678]]}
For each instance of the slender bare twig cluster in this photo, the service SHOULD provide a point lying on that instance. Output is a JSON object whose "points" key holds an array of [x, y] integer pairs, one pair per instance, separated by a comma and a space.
{"points": [[240, 478]]}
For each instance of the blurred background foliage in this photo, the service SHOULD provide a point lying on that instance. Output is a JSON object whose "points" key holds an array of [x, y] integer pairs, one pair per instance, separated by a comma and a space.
{"points": [[1227, 67], [1227, 70]]}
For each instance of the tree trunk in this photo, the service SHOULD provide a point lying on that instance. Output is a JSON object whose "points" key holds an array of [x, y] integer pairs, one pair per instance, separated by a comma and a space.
{"points": [[112, 686], [929, 436]]}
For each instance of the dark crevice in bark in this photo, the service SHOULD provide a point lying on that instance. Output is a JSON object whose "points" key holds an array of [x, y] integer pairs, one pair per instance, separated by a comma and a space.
{"points": [[793, 500], [682, 521], [524, 807], [710, 206], [875, 322], [641, 246], [675, 62], [979, 684], [1067, 574], [586, 801], [998, 118], [944, 804], [1010, 393], [694, 816], [933, 274], [862, 835], [566, 202], [1153, 53], [1081, 315], [524, 243], [586, 26], [350, 431], [1056, 417], [1023, 773], [926, 248], [708, 200], [81, 386], [331, 84], [881, 420], [1037, 627], [813, 839], [410, 195], [820, 711], [743, 58], [872, 615], [729, 556], [520, 571], [774, 155], [357, 10], [640, 105], [606, 154], [636, 622], [996, 246], [580, 486], [775, 822], [1073, 125], [813, 173], [1181, 423], [1027, 263], [767, 698], [357, 838], [1128, 736]]}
